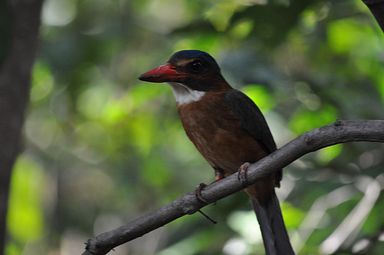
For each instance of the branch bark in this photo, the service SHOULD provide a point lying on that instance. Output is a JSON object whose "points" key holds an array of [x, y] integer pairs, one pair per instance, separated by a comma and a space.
{"points": [[338, 132], [21, 20], [377, 9]]}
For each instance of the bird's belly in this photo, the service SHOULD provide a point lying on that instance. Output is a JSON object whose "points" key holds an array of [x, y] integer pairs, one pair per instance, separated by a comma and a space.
{"points": [[227, 150], [222, 142]]}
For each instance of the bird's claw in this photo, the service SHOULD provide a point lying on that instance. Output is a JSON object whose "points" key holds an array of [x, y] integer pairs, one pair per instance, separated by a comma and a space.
{"points": [[242, 174], [198, 193], [219, 174]]}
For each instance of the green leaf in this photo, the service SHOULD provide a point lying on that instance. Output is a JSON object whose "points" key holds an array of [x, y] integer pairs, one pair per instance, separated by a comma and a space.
{"points": [[292, 215], [304, 120], [25, 219], [13, 249], [344, 35], [260, 96], [42, 82], [220, 13], [242, 29], [143, 131], [327, 154]]}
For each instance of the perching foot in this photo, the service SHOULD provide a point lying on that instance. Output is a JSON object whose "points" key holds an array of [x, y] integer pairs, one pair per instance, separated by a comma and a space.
{"points": [[242, 174], [198, 193], [219, 174]]}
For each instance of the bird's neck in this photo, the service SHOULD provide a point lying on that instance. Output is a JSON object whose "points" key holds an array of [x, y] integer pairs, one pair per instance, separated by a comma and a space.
{"points": [[185, 95]]}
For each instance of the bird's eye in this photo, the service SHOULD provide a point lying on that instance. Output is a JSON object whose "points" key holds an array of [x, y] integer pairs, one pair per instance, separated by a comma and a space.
{"points": [[196, 66]]}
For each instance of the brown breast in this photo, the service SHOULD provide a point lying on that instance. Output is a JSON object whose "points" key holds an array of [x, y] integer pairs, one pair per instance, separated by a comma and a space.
{"points": [[217, 133]]}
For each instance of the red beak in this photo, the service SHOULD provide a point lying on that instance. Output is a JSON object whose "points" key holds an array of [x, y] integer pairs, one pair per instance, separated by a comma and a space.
{"points": [[163, 73]]}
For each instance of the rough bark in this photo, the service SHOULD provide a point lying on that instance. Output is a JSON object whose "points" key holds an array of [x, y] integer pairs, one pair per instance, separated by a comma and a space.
{"points": [[20, 28]]}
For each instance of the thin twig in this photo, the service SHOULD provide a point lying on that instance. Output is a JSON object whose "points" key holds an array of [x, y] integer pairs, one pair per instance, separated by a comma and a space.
{"points": [[207, 217]]}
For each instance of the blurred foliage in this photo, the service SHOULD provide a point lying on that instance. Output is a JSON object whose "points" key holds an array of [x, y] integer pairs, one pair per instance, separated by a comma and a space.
{"points": [[103, 148]]}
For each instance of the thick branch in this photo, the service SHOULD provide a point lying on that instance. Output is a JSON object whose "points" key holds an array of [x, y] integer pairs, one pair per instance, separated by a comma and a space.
{"points": [[339, 132], [377, 9]]}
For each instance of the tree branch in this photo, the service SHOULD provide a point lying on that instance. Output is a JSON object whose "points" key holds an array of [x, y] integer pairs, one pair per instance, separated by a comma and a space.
{"points": [[377, 9], [338, 132]]}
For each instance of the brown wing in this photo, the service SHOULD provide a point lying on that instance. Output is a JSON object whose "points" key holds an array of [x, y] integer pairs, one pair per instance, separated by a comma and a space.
{"points": [[252, 121], [251, 118]]}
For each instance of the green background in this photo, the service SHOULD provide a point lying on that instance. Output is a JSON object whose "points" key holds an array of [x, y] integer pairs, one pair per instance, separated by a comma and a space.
{"points": [[102, 148]]}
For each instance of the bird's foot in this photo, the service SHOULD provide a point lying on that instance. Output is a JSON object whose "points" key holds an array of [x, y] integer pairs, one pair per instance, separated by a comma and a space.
{"points": [[219, 174], [198, 193], [242, 174]]}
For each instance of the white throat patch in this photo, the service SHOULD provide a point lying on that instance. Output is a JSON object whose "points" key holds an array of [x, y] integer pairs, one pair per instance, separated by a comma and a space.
{"points": [[185, 95]]}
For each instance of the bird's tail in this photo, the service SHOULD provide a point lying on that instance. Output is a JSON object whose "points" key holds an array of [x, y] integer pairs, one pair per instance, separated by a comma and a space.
{"points": [[275, 236]]}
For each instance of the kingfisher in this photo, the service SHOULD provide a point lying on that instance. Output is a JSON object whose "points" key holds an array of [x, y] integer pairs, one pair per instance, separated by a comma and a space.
{"points": [[229, 131]]}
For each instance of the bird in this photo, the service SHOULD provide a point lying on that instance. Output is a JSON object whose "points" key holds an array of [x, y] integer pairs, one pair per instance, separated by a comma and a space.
{"points": [[228, 130]]}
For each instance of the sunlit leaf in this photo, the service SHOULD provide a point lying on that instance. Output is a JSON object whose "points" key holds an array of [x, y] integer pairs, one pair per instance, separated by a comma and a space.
{"points": [[344, 35], [292, 215], [329, 153], [226, 9], [12, 249], [305, 120], [260, 96], [143, 131], [145, 94], [206, 42], [242, 29], [116, 110], [348, 36], [42, 82], [25, 219]]}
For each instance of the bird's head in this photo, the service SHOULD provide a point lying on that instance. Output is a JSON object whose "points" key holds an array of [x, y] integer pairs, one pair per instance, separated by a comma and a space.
{"points": [[194, 69]]}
